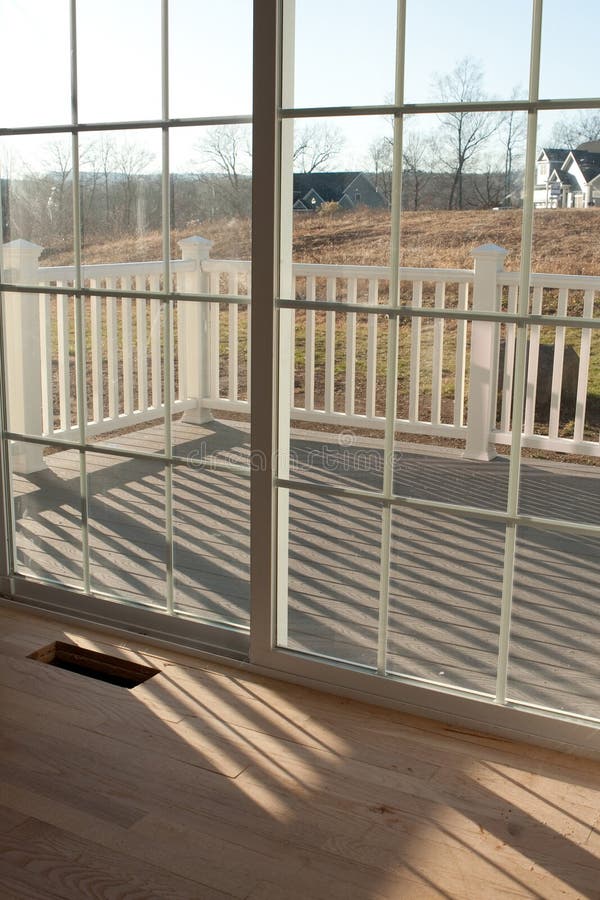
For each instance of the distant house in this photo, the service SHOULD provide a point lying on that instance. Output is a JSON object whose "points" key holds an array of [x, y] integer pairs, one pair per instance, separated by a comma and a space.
{"points": [[568, 178], [347, 189]]}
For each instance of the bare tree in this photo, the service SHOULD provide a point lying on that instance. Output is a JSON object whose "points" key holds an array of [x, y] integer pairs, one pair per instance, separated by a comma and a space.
{"points": [[130, 161], [226, 150], [381, 154], [487, 184], [571, 132], [511, 133], [315, 146], [58, 177], [94, 164], [100, 158], [419, 156], [464, 133]]}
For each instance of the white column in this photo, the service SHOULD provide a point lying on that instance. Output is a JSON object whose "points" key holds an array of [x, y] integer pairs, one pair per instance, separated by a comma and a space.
{"points": [[22, 353], [489, 260], [195, 347]]}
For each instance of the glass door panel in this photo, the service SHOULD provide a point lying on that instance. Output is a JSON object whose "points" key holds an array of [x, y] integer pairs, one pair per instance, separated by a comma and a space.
{"points": [[127, 367]]}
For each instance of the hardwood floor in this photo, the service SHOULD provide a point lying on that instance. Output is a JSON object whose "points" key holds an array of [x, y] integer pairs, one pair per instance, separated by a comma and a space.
{"points": [[209, 782]]}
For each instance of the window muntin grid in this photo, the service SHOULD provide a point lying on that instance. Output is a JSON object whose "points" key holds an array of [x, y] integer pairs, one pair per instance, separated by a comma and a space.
{"points": [[523, 318], [170, 457]]}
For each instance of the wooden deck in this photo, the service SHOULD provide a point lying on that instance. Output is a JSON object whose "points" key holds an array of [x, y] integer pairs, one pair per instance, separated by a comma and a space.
{"points": [[446, 569], [209, 783]]}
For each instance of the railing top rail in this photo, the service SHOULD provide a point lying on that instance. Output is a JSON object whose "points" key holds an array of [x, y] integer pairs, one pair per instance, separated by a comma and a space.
{"points": [[407, 273], [113, 270], [550, 280]]}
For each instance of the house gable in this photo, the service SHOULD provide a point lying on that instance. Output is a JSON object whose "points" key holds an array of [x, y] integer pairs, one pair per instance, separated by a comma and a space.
{"points": [[362, 192], [349, 189], [572, 168], [312, 199], [549, 159]]}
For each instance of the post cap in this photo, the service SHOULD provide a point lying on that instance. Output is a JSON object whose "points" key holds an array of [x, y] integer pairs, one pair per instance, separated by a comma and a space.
{"points": [[491, 252], [23, 246], [195, 240]]}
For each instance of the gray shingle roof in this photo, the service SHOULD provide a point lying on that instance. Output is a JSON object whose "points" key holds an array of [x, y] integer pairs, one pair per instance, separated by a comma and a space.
{"points": [[555, 154], [328, 185], [589, 163]]}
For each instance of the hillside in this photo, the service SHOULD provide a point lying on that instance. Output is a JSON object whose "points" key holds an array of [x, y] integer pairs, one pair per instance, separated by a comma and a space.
{"points": [[564, 240]]}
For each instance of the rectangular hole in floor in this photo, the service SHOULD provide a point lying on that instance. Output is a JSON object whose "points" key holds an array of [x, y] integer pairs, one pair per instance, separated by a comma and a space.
{"points": [[120, 672]]}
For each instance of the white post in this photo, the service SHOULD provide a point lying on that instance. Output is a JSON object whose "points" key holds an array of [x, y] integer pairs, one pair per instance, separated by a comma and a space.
{"points": [[489, 260], [22, 354], [195, 347]]}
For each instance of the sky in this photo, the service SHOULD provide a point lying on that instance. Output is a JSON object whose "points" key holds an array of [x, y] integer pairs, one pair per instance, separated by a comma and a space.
{"points": [[340, 58]]}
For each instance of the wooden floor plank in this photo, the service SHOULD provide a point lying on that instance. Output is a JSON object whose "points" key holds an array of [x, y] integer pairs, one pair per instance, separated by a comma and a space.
{"points": [[76, 868], [107, 792]]}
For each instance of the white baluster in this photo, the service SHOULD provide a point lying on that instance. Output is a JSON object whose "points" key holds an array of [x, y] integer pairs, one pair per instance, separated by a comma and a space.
{"points": [[415, 354], [372, 351], [437, 362], [558, 366], [351, 350], [330, 349], [532, 365], [584, 368], [309, 357]]}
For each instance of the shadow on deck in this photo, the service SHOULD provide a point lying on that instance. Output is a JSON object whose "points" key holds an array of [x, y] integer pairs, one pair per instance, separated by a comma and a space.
{"points": [[446, 569]]}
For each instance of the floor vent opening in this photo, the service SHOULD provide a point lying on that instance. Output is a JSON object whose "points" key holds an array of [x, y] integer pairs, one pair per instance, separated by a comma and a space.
{"points": [[93, 664]]}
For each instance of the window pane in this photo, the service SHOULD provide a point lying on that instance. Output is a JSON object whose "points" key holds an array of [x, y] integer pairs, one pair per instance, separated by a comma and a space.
{"points": [[445, 47], [567, 195], [343, 55], [46, 490], [577, 75], [210, 59], [126, 367], [121, 200], [40, 354], [211, 198], [554, 633], [445, 593], [339, 385], [36, 61], [126, 528], [119, 60], [211, 511], [37, 197], [480, 175], [562, 398], [341, 191], [453, 402], [334, 563], [211, 375]]}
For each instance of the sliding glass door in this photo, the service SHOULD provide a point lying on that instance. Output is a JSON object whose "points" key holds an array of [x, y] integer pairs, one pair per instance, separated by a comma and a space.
{"points": [[379, 225], [126, 211], [436, 446]]}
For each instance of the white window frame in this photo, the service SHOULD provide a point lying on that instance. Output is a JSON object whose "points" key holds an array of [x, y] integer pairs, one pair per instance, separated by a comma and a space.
{"points": [[262, 650], [271, 214]]}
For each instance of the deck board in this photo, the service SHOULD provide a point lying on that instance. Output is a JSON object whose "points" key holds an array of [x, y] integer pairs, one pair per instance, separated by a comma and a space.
{"points": [[446, 570]]}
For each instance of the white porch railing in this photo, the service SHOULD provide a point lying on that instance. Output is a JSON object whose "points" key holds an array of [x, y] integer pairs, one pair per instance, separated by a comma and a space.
{"points": [[455, 376]]}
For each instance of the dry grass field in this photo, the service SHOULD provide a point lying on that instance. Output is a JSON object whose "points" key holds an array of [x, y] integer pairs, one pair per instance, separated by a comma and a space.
{"points": [[566, 241]]}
